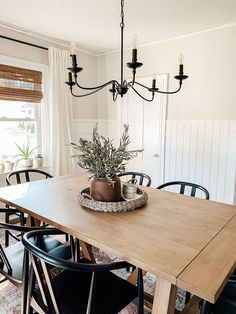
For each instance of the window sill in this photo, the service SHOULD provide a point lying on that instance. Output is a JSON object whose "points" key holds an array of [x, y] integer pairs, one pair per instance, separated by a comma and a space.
{"points": [[44, 168]]}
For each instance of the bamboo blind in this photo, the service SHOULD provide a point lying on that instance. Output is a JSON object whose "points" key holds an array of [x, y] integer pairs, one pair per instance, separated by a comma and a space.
{"points": [[19, 84]]}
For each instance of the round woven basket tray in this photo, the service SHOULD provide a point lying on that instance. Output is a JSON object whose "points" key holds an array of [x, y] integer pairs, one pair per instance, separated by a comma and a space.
{"points": [[123, 206]]}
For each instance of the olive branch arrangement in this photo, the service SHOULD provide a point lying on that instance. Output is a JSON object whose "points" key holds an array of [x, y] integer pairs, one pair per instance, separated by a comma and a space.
{"points": [[100, 157]]}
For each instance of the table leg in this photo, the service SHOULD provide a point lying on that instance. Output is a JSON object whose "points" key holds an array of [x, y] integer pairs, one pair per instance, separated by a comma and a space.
{"points": [[87, 251], [164, 298]]}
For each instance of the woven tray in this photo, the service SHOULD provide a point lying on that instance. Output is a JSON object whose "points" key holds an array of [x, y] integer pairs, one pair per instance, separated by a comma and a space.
{"points": [[122, 206]]}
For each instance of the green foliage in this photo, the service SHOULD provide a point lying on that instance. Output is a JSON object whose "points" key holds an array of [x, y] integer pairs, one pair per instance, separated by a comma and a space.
{"points": [[25, 151], [101, 158]]}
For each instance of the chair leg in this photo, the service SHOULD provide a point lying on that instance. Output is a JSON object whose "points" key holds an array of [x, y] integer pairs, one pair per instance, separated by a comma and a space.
{"points": [[25, 282], [31, 284], [205, 307], [6, 231], [187, 297], [140, 309]]}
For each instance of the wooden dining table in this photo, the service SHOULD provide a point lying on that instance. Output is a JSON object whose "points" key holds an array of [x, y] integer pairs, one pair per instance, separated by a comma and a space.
{"points": [[186, 242]]}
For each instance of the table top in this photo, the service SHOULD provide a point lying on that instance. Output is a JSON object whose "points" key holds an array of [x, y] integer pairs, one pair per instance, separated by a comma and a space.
{"points": [[164, 237]]}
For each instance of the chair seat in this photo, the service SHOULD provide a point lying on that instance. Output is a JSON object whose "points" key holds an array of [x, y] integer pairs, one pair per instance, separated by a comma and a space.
{"points": [[72, 290], [15, 253]]}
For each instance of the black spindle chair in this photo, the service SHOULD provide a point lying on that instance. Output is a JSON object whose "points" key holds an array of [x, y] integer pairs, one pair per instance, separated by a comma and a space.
{"points": [[81, 287], [225, 304], [13, 260], [18, 177], [193, 186], [136, 178]]}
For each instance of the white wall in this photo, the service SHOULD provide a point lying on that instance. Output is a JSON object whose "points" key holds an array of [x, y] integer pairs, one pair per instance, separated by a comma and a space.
{"points": [[209, 93], [83, 108]]}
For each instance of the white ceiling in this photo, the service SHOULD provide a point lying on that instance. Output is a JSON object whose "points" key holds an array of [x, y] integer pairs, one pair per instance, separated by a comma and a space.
{"points": [[94, 24]]}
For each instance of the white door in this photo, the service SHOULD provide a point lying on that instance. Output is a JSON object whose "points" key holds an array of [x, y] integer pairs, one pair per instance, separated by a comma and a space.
{"points": [[146, 128]]}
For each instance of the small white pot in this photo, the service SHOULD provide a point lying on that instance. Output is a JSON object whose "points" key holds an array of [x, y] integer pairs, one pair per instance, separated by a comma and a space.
{"points": [[27, 163], [8, 165], [1, 167], [38, 162]]}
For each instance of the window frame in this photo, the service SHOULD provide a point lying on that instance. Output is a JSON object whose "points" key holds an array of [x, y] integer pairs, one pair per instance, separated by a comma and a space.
{"points": [[41, 107]]}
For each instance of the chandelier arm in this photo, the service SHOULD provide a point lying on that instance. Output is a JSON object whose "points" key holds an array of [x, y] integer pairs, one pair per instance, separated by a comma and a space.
{"points": [[170, 93], [93, 92], [141, 95], [134, 82], [96, 87]]}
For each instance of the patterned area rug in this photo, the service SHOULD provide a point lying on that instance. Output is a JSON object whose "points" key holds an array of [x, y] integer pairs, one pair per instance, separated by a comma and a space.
{"points": [[10, 297]]}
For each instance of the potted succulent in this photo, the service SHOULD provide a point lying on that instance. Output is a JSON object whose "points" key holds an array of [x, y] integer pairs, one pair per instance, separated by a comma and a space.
{"points": [[25, 155], [104, 161]]}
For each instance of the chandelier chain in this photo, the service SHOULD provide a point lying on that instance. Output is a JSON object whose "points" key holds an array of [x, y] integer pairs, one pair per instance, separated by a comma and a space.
{"points": [[122, 24]]}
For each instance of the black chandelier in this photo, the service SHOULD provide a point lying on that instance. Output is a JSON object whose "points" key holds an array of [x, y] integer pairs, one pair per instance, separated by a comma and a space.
{"points": [[122, 87]]}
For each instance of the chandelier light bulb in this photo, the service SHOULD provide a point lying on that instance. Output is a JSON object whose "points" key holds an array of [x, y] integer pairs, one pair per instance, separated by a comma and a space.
{"points": [[155, 75], [135, 41], [181, 58], [73, 48]]}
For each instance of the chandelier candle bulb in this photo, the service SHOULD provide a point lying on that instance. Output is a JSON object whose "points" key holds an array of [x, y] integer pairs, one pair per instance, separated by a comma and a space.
{"points": [[73, 49], [135, 41]]}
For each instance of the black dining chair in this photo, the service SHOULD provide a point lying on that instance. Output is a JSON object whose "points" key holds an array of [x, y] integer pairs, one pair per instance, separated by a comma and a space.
{"points": [[13, 264], [18, 177], [136, 178], [80, 287], [194, 188], [185, 188], [225, 304]]}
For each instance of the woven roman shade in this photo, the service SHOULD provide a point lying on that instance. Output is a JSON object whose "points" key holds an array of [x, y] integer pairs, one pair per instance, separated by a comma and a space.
{"points": [[18, 84]]}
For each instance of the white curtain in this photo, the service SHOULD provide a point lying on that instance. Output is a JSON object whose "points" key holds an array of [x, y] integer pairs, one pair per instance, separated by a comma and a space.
{"points": [[60, 111]]}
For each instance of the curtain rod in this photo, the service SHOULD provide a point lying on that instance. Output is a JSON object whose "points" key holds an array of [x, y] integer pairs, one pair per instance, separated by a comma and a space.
{"points": [[23, 42]]}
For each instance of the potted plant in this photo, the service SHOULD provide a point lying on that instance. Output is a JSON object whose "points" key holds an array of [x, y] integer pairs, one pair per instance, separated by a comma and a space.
{"points": [[104, 161], [25, 154]]}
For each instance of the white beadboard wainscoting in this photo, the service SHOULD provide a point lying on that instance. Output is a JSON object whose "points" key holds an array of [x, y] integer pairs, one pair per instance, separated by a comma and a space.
{"points": [[203, 152]]}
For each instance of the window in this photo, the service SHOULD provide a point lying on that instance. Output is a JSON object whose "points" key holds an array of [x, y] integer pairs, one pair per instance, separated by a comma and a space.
{"points": [[20, 101]]}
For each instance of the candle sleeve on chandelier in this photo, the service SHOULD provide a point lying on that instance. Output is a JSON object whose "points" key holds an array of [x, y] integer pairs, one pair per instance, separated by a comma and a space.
{"points": [[154, 83], [69, 77], [74, 61], [134, 55]]}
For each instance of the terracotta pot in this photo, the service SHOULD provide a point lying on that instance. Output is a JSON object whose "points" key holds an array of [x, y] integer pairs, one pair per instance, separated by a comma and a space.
{"points": [[101, 189]]}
